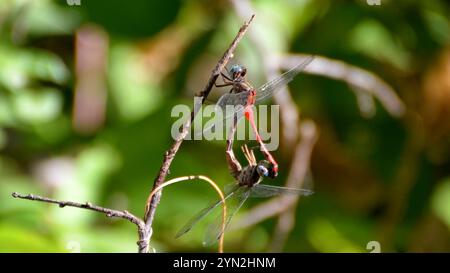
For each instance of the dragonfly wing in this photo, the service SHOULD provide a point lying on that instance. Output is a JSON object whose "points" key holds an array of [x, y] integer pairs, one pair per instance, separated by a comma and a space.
{"points": [[232, 105], [235, 99], [228, 107], [226, 122], [263, 190], [204, 212], [267, 90], [215, 230]]}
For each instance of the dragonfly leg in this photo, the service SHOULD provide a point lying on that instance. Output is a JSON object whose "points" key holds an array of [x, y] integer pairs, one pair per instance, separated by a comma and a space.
{"points": [[226, 81], [249, 155], [249, 116], [222, 85], [225, 77], [233, 164]]}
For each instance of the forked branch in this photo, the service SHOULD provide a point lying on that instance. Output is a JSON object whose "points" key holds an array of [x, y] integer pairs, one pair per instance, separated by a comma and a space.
{"points": [[89, 206], [143, 232]]}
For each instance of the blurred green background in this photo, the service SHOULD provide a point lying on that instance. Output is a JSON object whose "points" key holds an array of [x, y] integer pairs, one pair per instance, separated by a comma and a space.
{"points": [[86, 94]]}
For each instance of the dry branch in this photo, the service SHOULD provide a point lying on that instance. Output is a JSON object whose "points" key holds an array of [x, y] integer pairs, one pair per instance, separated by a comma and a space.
{"points": [[89, 206], [170, 154]]}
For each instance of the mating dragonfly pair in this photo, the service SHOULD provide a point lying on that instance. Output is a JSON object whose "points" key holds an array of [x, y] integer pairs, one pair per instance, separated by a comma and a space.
{"points": [[243, 97]]}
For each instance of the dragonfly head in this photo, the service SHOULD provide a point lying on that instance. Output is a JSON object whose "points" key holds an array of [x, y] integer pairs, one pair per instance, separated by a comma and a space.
{"points": [[238, 71], [266, 169]]}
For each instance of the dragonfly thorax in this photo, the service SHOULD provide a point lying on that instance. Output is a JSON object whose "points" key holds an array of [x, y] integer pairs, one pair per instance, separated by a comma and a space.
{"points": [[253, 174], [249, 176]]}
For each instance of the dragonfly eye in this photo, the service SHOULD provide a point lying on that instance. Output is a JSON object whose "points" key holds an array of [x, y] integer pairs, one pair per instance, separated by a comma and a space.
{"points": [[262, 171], [237, 70], [243, 71]]}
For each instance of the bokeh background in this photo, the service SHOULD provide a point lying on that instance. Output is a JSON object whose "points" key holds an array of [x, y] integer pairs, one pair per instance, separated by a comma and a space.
{"points": [[86, 93]]}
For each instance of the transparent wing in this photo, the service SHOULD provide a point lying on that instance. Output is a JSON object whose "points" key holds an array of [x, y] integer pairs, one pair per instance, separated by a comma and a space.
{"points": [[263, 190], [269, 88], [236, 99], [215, 230], [240, 100], [204, 212], [230, 187], [228, 106]]}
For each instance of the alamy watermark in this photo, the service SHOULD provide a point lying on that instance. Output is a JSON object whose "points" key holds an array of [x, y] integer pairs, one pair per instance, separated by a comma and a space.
{"points": [[373, 2], [214, 123], [73, 246], [73, 2], [374, 247]]}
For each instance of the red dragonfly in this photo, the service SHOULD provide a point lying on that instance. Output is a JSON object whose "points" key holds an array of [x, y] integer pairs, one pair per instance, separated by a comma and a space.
{"points": [[243, 96], [247, 185]]}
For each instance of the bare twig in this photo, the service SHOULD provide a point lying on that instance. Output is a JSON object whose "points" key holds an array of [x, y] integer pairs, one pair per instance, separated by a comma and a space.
{"points": [[170, 154], [225, 58], [357, 78], [108, 212], [142, 230], [298, 171]]}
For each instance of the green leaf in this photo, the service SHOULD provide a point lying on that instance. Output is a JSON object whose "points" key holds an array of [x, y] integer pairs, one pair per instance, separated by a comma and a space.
{"points": [[441, 201]]}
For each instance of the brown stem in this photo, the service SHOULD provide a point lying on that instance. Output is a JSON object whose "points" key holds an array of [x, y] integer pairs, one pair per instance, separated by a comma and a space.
{"points": [[170, 154]]}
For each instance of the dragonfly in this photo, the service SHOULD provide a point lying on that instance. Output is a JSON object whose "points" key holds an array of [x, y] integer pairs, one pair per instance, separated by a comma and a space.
{"points": [[247, 184], [243, 96]]}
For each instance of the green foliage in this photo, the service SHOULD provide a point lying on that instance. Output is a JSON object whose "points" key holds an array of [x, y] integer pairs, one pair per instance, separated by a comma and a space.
{"points": [[375, 179]]}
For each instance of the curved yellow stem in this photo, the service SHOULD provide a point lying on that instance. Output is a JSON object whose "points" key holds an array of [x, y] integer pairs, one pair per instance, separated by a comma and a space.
{"points": [[192, 177]]}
